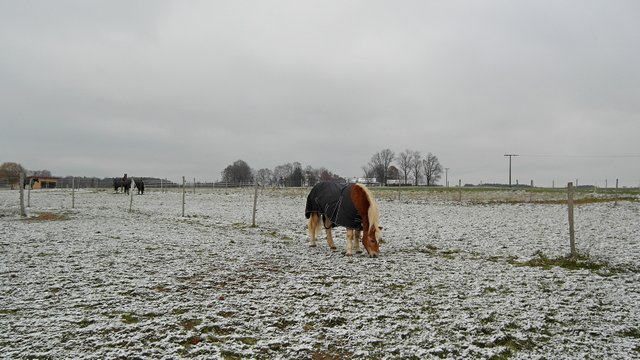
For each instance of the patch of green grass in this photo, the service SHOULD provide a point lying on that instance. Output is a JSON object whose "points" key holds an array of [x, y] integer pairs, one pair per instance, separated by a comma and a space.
{"points": [[489, 290], [632, 333], [336, 321], [450, 254], [85, 322], [179, 311], [226, 314], [429, 249], [8, 311], [130, 318], [489, 319], [189, 324], [284, 323], [248, 340], [220, 331], [578, 262], [230, 355]]}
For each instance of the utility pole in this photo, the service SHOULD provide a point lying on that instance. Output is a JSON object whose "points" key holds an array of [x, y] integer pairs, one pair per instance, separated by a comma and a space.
{"points": [[446, 177], [510, 156]]}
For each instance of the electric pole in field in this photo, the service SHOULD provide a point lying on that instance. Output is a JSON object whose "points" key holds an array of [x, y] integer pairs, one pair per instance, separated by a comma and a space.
{"points": [[510, 156], [446, 177]]}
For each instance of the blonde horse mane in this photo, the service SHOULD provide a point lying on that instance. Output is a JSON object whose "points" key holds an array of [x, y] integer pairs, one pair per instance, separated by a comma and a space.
{"points": [[373, 212]]}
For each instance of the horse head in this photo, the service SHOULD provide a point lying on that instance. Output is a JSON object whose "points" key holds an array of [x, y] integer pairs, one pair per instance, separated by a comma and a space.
{"points": [[371, 240], [368, 209]]}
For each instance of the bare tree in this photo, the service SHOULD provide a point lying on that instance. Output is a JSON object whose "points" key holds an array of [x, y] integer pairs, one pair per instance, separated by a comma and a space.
{"points": [[45, 173], [264, 176], [10, 172], [393, 173], [380, 163], [432, 169], [416, 161], [404, 162], [367, 172], [282, 172]]}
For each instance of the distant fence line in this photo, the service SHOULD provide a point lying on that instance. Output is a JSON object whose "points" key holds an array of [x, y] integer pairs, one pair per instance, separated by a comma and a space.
{"points": [[389, 194]]}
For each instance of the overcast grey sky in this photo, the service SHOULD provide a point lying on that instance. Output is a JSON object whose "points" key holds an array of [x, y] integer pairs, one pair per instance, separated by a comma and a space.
{"points": [[173, 88]]}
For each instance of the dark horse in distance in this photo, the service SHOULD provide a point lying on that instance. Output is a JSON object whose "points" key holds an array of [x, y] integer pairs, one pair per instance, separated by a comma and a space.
{"points": [[140, 186], [124, 183]]}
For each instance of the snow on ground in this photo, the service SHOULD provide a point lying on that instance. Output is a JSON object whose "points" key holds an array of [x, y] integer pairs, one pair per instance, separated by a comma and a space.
{"points": [[450, 282]]}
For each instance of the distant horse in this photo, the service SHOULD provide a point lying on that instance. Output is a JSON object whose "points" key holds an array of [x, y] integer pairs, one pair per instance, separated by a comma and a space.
{"points": [[349, 205], [117, 184], [30, 183], [124, 183], [140, 186]]}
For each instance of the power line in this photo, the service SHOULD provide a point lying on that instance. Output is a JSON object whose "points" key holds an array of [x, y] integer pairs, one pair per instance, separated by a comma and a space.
{"points": [[582, 156]]}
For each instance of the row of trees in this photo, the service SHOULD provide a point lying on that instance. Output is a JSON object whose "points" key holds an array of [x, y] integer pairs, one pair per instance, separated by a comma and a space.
{"points": [[406, 168], [411, 165], [290, 174], [383, 166]]}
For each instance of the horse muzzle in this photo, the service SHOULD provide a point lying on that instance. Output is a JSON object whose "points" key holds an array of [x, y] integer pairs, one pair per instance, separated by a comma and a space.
{"points": [[373, 254]]}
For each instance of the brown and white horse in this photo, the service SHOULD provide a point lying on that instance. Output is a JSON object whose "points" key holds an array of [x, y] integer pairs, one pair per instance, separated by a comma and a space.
{"points": [[349, 205]]}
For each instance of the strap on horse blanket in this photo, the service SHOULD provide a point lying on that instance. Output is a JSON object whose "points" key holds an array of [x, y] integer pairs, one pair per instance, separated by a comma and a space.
{"points": [[333, 200]]}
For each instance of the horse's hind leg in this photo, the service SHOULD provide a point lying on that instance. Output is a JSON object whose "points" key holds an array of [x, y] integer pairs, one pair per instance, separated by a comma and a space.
{"points": [[314, 223], [327, 227]]}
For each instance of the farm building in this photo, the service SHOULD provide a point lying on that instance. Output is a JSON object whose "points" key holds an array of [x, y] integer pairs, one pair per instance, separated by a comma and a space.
{"points": [[42, 182]]}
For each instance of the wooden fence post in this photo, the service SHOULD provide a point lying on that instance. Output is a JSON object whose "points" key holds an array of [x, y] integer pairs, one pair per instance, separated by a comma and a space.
{"points": [[531, 192], [194, 185], [572, 235], [183, 195], [131, 197], [73, 192], [23, 213], [29, 192], [255, 204]]}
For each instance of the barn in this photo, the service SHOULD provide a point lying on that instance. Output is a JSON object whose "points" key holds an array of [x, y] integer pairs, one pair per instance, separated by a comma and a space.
{"points": [[42, 182]]}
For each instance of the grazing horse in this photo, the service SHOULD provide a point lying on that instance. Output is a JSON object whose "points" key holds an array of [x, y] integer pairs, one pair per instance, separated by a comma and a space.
{"points": [[349, 205], [117, 184], [140, 186]]}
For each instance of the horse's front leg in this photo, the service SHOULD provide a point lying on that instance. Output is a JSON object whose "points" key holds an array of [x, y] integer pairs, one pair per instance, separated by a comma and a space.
{"points": [[357, 238], [327, 227], [350, 240]]}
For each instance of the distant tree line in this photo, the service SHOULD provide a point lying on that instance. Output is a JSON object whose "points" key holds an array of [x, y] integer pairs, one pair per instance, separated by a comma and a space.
{"points": [[408, 167], [290, 174]]}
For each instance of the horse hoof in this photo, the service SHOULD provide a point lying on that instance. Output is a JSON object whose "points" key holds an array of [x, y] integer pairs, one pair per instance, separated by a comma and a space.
{"points": [[333, 248], [312, 245]]}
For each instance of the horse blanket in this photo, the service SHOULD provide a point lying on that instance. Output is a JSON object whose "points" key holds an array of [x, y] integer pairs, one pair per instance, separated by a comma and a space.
{"points": [[333, 201]]}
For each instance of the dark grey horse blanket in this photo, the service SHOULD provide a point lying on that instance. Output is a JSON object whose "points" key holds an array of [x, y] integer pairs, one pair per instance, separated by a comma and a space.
{"points": [[333, 201]]}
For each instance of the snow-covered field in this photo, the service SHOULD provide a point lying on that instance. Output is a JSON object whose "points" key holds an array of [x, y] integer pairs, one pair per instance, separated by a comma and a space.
{"points": [[96, 281]]}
